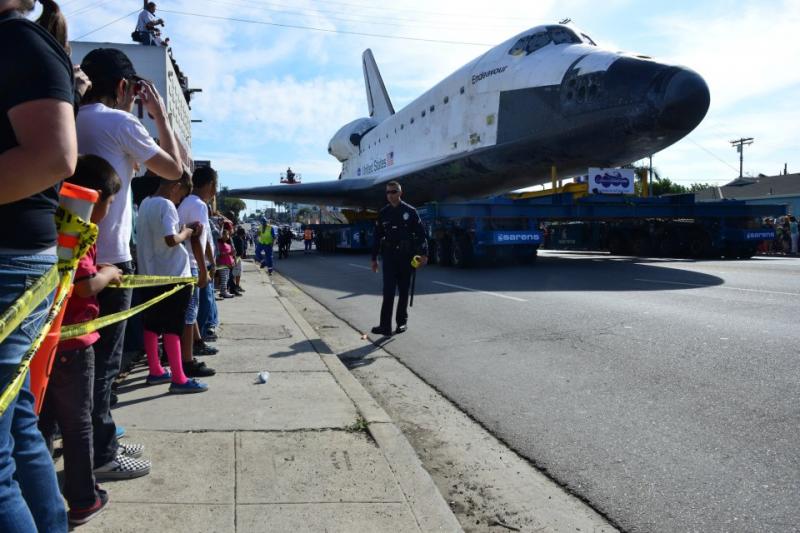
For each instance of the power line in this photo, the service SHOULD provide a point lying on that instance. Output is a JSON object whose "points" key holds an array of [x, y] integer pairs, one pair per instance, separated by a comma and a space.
{"points": [[92, 6], [107, 25], [326, 30], [333, 15], [440, 14], [712, 154]]}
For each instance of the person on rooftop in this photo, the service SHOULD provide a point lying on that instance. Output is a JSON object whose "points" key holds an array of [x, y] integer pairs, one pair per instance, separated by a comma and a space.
{"points": [[146, 27]]}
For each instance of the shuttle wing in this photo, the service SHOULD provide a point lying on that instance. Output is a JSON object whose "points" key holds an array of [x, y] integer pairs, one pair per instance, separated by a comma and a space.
{"points": [[350, 193]]}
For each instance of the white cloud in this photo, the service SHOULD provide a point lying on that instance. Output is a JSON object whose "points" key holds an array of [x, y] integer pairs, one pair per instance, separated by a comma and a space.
{"points": [[741, 50]]}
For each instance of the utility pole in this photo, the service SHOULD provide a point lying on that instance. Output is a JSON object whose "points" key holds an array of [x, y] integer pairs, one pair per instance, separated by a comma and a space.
{"points": [[740, 144]]}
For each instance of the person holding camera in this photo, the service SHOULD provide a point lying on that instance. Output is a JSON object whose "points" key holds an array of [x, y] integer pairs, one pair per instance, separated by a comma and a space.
{"points": [[146, 27], [108, 129], [399, 236]]}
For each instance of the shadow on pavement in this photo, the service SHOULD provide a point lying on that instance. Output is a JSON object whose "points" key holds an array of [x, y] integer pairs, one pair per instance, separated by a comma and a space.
{"points": [[566, 272], [297, 348]]}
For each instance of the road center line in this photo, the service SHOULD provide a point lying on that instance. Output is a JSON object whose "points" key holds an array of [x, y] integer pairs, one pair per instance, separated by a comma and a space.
{"points": [[359, 266], [482, 292], [716, 287]]}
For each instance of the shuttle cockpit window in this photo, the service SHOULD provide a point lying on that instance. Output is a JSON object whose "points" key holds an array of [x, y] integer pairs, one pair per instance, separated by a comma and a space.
{"points": [[588, 40], [563, 35], [530, 43], [536, 41]]}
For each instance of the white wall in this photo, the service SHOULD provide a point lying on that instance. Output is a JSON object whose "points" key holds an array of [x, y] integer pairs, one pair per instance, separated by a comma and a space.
{"points": [[152, 63]]}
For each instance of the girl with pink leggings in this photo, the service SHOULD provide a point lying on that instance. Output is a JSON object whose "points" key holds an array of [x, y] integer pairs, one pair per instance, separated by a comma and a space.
{"points": [[159, 253]]}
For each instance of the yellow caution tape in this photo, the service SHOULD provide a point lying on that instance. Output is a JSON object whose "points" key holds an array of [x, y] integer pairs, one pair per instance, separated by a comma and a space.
{"points": [[136, 281], [13, 388], [59, 276], [70, 223], [27, 302], [79, 330]]}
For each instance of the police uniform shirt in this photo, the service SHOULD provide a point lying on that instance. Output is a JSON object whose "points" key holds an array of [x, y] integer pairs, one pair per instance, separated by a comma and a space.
{"points": [[399, 230]]}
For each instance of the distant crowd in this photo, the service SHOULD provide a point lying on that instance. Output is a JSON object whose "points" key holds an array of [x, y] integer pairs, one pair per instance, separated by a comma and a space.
{"points": [[786, 236]]}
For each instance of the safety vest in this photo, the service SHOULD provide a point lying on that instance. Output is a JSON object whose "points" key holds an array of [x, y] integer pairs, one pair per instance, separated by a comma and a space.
{"points": [[308, 235], [265, 237]]}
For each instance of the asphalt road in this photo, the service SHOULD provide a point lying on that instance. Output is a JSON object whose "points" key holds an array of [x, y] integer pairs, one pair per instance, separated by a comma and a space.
{"points": [[663, 392]]}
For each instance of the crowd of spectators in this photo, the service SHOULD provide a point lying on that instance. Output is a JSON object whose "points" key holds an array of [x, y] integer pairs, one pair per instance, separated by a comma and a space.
{"points": [[786, 236], [50, 115]]}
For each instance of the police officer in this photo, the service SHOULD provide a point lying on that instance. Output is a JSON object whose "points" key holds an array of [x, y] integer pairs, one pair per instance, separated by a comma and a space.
{"points": [[399, 236]]}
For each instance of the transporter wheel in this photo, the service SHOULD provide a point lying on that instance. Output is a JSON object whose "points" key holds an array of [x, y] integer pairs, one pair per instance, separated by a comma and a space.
{"points": [[666, 246], [748, 253], [618, 244], [441, 252], [699, 244], [640, 245], [460, 251], [530, 258]]}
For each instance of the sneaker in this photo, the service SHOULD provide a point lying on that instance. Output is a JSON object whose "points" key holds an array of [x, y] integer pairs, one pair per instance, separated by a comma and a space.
{"points": [[131, 450], [380, 330], [204, 349], [211, 335], [122, 467], [77, 517], [225, 295], [197, 369], [401, 328], [120, 432], [166, 377], [190, 387], [240, 289]]}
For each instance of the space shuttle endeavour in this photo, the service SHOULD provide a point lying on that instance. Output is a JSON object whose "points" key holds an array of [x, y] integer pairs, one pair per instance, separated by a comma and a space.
{"points": [[547, 97]]}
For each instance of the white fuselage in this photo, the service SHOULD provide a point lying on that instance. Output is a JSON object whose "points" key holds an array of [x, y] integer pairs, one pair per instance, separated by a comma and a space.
{"points": [[460, 114]]}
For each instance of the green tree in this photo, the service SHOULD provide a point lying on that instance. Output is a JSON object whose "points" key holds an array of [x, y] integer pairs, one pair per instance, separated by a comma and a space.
{"points": [[233, 205], [696, 187], [304, 214], [658, 185], [228, 204]]}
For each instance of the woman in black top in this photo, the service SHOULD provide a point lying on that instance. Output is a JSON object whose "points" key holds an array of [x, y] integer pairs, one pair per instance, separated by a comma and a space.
{"points": [[38, 149]]}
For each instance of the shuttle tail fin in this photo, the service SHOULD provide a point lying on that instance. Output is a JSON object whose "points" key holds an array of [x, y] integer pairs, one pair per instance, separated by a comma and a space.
{"points": [[380, 107]]}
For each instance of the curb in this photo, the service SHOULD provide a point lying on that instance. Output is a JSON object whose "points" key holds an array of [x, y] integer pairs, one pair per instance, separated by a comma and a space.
{"points": [[426, 502]]}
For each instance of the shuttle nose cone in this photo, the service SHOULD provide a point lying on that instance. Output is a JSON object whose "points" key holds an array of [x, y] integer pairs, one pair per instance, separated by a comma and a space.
{"points": [[685, 103]]}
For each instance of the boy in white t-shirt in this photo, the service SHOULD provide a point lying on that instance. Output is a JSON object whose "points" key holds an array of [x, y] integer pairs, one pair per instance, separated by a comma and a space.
{"points": [[108, 129], [159, 253]]}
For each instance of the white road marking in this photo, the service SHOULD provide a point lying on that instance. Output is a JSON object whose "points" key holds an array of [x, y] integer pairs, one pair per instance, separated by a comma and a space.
{"points": [[359, 266], [482, 292], [716, 287]]}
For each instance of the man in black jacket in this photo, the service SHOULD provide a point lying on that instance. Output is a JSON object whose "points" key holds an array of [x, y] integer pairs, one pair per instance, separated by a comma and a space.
{"points": [[399, 236]]}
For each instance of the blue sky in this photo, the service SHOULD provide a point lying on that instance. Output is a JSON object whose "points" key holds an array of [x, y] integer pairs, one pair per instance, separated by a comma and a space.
{"points": [[273, 96]]}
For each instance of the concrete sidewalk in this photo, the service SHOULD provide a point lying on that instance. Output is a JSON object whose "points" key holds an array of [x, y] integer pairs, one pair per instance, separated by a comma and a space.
{"points": [[310, 450]]}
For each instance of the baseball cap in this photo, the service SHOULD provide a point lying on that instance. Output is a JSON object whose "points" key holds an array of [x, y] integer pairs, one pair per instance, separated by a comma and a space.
{"points": [[108, 63]]}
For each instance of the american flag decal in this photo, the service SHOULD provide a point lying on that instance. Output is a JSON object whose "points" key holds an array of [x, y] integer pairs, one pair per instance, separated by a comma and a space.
{"points": [[390, 159]]}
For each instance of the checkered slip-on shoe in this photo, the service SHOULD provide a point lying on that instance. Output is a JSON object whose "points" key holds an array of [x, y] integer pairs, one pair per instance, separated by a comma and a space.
{"points": [[131, 450], [122, 467]]}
